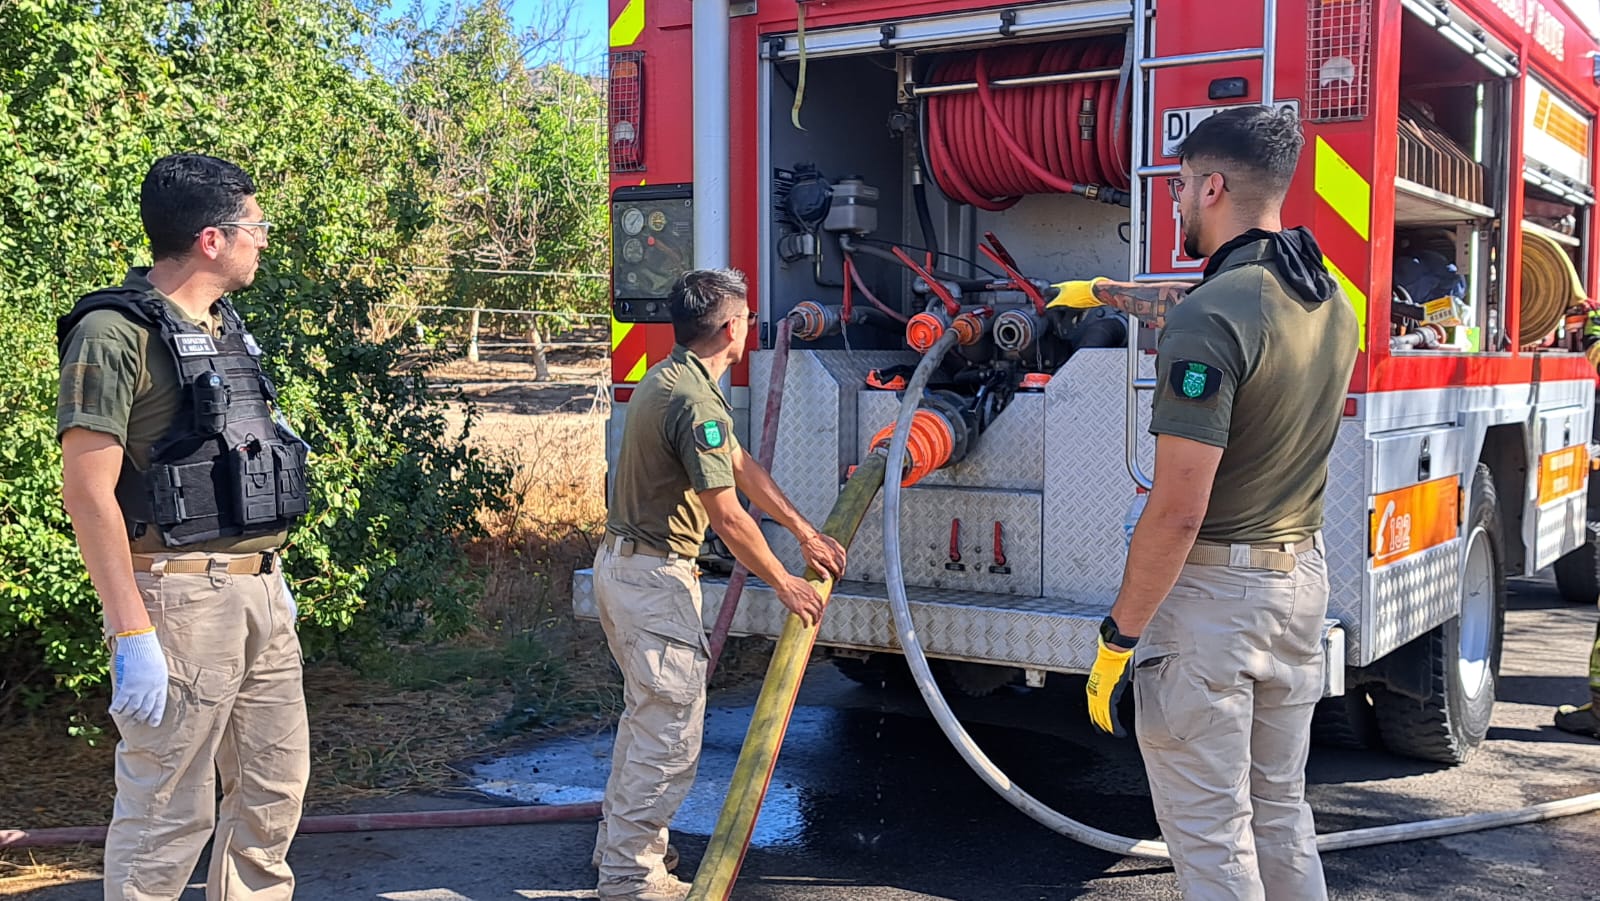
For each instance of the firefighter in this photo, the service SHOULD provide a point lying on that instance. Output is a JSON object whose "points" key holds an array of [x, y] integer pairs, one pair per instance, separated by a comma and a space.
{"points": [[679, 468], [1585, 720], [1218, 623], [182, 481]]}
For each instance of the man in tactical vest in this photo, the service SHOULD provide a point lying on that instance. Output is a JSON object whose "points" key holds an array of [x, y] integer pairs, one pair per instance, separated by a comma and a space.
{"points": [[182, 480]]}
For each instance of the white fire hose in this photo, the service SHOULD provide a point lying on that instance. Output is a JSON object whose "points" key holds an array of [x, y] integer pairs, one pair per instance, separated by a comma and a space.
{"points": [[1044, 814]]}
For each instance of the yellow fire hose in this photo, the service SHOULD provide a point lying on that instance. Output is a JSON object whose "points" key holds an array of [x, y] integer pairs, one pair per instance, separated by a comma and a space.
{"points": [[753, 773], [1550, 287]]}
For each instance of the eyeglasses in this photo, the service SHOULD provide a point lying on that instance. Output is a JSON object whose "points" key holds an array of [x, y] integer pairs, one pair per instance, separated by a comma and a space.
{"points": [[266, 227], [1175, 183], [749, 318]]}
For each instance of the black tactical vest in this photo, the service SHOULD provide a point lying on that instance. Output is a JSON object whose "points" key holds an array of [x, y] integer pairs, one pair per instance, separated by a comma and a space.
{"points": [[228, 467]]}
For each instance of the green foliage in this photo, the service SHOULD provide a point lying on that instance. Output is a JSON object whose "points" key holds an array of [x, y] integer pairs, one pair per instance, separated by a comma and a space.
{"points": [[90, 95]]}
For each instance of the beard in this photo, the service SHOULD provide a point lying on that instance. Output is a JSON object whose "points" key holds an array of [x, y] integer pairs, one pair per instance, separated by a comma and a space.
{"points": [[1191, 236]]}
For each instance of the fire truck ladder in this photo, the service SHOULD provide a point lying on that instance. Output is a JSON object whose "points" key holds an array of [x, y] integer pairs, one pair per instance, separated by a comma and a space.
{"points": [[1147, 173]]}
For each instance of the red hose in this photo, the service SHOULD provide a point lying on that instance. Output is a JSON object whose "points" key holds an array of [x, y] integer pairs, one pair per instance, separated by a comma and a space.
{"points": [[991, 147], [764, 455], [353, 822]]}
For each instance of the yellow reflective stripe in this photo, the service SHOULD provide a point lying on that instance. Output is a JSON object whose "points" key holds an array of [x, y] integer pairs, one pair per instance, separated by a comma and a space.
{"points": [[629, 24], [619, 330], [1343, 188], [1358, 298], [638, 370]]}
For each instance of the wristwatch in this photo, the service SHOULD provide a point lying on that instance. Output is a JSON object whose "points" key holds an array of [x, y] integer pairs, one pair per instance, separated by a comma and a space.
{"points": [[1110, 635]]}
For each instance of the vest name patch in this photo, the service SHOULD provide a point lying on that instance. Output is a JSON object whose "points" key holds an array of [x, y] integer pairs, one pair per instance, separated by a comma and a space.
{"points": [[195, 345]]}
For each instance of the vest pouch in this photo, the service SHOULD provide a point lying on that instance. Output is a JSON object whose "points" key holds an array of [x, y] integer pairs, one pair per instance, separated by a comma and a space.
{"points": [[210, 404], [290, 460], [255, 484]]}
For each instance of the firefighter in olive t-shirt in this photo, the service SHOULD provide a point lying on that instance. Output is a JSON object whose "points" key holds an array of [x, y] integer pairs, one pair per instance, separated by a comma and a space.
{"points": [[677, 472], [1219, 619]]}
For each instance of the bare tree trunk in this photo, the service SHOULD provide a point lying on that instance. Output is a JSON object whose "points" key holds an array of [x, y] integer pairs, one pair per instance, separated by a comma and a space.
{"points": [[540, 362], [472, 338]]}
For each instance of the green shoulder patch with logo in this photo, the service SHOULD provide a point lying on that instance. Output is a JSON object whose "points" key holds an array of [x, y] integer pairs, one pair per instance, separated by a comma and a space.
{"points": [[1193, 380], [710, 435]]}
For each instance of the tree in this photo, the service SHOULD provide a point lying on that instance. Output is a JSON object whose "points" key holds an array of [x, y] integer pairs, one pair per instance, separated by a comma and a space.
{"points": [[90, 95], [516, 161]]}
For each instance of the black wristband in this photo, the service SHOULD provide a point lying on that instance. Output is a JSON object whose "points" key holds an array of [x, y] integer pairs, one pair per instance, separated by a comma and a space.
{"points": [[1110, 635]]}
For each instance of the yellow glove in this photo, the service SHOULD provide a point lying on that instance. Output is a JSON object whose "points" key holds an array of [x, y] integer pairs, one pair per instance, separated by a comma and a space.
{"points": [[1077, 294], [1593, 353], [1107, 679]]}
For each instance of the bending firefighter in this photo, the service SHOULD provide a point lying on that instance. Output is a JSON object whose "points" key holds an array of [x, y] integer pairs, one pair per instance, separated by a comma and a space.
{"points": [[182, 482], [678, 470], [1219, 619]]}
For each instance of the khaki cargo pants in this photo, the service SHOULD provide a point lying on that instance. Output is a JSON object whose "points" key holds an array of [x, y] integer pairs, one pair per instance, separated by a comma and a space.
{"points": [[1225, 679], [235, 708], [650, 609]]}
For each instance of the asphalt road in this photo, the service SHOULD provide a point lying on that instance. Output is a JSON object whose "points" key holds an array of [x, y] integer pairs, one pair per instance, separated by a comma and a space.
{"points": [[869, 802]]}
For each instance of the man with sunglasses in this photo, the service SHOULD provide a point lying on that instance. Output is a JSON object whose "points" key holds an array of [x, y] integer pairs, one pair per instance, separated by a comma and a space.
{"points": [[679, 469], [1218, 622], [182, 480]]}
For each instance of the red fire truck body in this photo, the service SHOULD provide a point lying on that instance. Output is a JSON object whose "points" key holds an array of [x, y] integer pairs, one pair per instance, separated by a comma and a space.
{"points": [[1449, 151]]}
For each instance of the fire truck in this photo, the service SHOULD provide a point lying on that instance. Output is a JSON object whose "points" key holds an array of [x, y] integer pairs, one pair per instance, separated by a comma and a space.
{"points": [[883, 170]]}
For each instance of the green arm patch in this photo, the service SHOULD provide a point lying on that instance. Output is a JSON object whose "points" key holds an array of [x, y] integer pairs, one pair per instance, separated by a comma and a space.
{"points": [[1194, 380], [711, 435]]}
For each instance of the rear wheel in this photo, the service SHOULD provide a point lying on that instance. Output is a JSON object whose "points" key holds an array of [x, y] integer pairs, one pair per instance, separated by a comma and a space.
{"points": [[1346, 721], [1460, 658], [1578, 573]]}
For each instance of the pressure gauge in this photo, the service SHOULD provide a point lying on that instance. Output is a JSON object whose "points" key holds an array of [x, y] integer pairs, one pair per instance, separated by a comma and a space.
{"points": [[632, 220], [633, 250], [658, 220]]}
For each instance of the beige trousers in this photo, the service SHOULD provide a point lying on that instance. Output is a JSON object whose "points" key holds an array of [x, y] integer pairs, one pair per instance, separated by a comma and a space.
{"points": [[235, 708], [650, 611], [1226, 676]]}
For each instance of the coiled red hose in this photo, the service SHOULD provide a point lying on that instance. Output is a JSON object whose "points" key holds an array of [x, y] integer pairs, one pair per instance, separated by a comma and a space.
{"points": [[991, 147]]}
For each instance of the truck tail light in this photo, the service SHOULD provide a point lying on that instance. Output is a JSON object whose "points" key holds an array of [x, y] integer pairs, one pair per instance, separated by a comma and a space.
{"points": [[626, 102]]}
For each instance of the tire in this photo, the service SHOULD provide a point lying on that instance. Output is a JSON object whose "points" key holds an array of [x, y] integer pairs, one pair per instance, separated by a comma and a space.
{"points": [[975, 680], [1461, 657], [1578, 573], [880, 672], [1347, 721]]}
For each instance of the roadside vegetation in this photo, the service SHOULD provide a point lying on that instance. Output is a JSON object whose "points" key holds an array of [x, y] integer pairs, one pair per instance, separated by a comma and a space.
{"points": [[399, 157]]}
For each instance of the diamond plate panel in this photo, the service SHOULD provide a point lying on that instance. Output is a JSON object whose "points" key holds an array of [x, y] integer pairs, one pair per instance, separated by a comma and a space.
{"points": [[1344, 533], [1562, 527], [925, 516], [1411, 597], [1088, 491], [1009, 455], [816, 430]]}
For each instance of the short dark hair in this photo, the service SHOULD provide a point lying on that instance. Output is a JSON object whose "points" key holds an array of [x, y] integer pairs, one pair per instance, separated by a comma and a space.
{"points": [[186, 192], [1259, 146], [699, 302]]}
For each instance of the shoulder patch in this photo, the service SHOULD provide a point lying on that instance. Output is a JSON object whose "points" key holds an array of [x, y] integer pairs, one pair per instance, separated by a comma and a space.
{"points": [[710, 435], [1194, 380]]}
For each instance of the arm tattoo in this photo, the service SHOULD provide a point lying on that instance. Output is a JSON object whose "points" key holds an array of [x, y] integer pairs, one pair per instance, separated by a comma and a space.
{"points": [[1150, 303]]}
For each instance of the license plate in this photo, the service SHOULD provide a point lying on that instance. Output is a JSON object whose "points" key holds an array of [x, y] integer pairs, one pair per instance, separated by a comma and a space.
{"points": [[1177, 124]]}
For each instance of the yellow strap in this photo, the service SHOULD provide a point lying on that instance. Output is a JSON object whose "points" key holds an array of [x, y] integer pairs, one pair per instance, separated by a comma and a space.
{"points": [[145, 631]]}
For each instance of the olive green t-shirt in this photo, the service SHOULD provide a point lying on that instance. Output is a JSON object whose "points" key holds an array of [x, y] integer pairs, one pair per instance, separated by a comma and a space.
{"points": [[1247, 365], [677, 440], [118, 378]]}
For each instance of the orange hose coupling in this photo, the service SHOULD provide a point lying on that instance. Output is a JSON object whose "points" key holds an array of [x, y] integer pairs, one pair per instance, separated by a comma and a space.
{"points": [[928, 447], [971, 326], [925, 329]]}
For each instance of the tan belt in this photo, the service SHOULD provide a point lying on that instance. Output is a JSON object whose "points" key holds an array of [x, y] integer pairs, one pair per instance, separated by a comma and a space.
{"points": [[1275, 557], [627, 547], [238, 565]]}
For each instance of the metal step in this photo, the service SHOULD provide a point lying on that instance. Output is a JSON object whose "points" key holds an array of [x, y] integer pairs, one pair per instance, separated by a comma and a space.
{"points": [[1054, 634]]}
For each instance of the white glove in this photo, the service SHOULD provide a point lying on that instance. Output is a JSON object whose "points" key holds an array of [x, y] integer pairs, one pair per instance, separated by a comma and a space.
{"points": [[141, 679]]}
